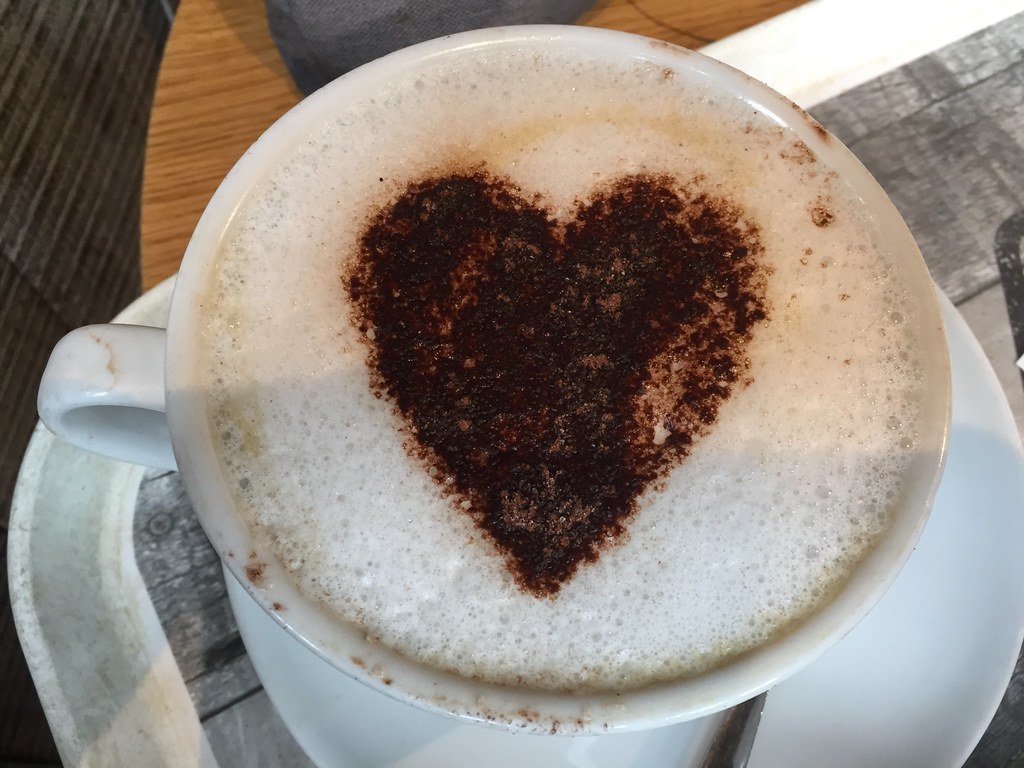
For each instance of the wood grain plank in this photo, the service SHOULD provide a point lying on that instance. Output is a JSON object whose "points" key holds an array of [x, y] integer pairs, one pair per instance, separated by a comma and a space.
{"points": [[690, 23], [224, 686], [252, 735], [183, 575], [221, 85]]}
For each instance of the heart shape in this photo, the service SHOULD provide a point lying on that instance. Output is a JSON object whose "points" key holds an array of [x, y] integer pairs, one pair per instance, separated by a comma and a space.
{"points": [[547, 373]]}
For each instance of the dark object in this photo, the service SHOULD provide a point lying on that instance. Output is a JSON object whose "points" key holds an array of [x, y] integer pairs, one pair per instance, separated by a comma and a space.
{"points": [[731, 745], [323, 39]]}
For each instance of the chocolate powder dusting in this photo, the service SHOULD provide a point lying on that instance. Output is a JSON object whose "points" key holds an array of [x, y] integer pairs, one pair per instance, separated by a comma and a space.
{"points": [[821, 212], [555, 370]]}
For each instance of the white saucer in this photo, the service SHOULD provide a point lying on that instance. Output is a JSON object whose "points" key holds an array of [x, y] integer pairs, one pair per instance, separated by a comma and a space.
{"points": [[918, 681], [915, 684]]}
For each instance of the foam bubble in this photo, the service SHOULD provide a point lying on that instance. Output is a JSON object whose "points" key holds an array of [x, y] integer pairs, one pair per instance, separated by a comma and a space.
{"points": [[751, 533]]}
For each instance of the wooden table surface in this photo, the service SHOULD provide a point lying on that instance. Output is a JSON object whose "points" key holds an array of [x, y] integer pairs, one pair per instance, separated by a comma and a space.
{"points": [[223, 82]]}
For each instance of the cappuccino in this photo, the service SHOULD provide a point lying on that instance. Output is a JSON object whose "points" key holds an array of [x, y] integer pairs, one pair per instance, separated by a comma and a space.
{"points": [[752, 415]]}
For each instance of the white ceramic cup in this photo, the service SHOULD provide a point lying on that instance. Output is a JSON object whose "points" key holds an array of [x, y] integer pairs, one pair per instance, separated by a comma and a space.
{"points": [[121, 391]]}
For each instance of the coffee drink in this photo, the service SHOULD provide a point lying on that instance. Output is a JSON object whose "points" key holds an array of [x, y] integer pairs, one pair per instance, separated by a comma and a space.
{"points": [[561, 372]]}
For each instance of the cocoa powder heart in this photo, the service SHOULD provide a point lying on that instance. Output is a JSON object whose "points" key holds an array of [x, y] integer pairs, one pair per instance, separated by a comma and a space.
{"points": [[548, 373]]}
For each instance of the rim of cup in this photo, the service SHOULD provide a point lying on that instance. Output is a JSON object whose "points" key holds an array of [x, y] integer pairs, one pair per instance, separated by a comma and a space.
{"points": [[520, 709]]}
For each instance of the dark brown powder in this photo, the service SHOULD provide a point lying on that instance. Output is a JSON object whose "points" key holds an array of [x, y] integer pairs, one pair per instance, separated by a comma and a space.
{"points": [[821, 212], [553, 371]]}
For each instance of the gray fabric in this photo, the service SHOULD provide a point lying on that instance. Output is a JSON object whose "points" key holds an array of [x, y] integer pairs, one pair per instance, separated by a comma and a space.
{"points": [[322, 39], [76, 83]]}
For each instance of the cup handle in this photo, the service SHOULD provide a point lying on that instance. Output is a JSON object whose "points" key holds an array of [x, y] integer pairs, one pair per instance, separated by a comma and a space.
{"points": [[103, 390]]}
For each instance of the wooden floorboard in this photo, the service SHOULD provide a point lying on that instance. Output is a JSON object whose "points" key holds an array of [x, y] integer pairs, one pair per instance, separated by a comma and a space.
{"points": [[251, 735]]}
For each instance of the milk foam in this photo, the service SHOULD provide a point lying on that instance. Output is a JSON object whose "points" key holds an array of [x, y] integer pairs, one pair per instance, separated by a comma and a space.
{"points": [[751, 533]]}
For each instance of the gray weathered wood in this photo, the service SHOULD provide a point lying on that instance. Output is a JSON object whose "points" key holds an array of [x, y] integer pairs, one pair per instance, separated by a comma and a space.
{"points": [[945, 137], [184, 577], [251, 735]]}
